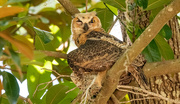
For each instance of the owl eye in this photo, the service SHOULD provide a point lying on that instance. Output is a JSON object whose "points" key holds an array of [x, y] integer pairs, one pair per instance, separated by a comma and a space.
{"points": [[78, 20], [92, 20]]}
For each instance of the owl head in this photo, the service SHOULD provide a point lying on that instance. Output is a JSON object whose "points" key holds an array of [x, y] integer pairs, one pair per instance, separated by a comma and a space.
{"points": [[83, 22]]}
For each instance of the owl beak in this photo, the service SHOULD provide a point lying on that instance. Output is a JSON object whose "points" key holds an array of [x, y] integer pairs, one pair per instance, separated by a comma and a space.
{"points": [[85, 27]]}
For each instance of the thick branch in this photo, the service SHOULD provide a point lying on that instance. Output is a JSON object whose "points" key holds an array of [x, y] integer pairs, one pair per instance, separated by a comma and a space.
{"points": [[69, 7], [146, 37], [161, 68]]}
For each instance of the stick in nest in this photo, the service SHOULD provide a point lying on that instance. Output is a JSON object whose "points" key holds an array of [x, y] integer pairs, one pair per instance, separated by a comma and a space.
{"points": [[86, 93]]}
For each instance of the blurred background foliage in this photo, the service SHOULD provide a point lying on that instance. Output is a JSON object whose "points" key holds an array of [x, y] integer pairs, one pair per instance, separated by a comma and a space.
{"points": [[28, 26]]}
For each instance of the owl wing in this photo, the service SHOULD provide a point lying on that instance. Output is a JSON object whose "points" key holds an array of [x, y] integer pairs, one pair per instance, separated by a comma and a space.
{"points": [[94, 56]]}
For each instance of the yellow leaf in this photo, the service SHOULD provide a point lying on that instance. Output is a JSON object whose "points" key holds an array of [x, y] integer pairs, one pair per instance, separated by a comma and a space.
{"points": [[2, 2], [23, 47], [8, 11]]}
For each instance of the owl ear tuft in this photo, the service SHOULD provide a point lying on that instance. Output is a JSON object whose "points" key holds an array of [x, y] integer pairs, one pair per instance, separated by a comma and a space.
{"points": [[94, 13]]}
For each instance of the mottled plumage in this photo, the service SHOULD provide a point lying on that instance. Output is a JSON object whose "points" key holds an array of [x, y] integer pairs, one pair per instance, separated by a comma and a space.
{"points": [[96, 54]]}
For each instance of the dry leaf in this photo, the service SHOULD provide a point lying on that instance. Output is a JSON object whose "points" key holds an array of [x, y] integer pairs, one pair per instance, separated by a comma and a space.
{"points": [[22, 47], [8, 11]]}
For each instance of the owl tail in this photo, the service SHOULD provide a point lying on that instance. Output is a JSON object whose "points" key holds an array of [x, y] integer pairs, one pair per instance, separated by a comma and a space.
{"points": [[139, 76]]}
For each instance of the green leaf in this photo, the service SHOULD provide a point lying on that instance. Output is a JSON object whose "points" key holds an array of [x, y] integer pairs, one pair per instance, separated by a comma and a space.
{"points": [[120, 4], [4, 24], [164, 48], [4, 99], [40, 45], [56, 93], [45, 36], [38, 56], [11, 87], [36, 76], [65, 32], [142, 3], [16, 1], [15, 58], [166, 32], [44, 20], [16, 74], [2, 43], [97, 5], [152, 4], [70, 95], [106, 18], [151, 52]]}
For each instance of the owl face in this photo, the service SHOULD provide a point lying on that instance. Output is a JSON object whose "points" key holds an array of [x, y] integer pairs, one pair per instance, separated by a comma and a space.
{"points": [[84, 22]]}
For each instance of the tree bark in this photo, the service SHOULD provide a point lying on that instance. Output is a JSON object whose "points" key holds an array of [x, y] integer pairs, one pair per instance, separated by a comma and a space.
{"points": [[167, 85]]}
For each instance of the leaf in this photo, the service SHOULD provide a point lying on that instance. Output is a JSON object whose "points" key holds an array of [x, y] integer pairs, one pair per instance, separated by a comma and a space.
{"points": [[2, 43], [70, 95], [120, 4], [65, 32], [102, 6], [97, 5], [15, 58], [151, 52], [2, 2], [4, 99], [152, 4], [16, 1], [40, 45], [164, 48], [11, 87], [17, 75], [38, 55], [1, 87], [56, 93], [45, 36], [166, 32], [36, 76], [44, 20], [9, 11], [106, 18], [142, 3], [22, 46]]}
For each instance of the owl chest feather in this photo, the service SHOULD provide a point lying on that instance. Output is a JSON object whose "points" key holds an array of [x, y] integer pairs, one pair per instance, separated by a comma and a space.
{"points": [[96, 54]]}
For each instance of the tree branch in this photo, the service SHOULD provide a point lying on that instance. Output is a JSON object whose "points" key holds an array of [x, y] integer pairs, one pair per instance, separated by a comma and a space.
{"points": [[146, 37], [69, 7], [55, 54], [161, 68]]}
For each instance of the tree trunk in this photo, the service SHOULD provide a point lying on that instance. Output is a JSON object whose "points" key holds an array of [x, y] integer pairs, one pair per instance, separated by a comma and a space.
{"points": [[165, 85]]}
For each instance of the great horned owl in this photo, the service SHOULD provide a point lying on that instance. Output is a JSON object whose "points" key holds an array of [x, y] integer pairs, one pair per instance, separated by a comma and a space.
{"points": [[96, 53]]}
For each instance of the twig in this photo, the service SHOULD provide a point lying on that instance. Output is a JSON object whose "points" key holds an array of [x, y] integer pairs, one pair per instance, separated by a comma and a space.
{"points": [[77, 99], [47, 83], [26, 99], [122, 102], [13, 70], [86, 93], [55, 54], [86, 4], [69, 7], [71, 89], [148, 93], [118, 18], [112, 25]]}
